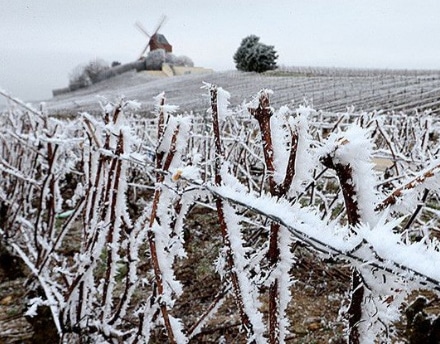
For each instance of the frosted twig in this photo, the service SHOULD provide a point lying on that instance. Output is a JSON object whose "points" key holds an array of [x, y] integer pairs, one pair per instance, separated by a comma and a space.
{"points": [[400, 191], [19, 102]]}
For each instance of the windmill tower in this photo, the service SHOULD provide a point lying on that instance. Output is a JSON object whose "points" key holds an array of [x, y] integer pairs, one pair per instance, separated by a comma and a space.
{"points": [[156, 40]]}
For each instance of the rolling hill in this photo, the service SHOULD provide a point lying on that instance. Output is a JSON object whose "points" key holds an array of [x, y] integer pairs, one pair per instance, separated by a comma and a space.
{"points": [[332, 90]]}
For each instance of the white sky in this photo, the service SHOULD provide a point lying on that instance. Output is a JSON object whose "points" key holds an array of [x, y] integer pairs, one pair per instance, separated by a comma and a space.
{"points": [[41, 41]]}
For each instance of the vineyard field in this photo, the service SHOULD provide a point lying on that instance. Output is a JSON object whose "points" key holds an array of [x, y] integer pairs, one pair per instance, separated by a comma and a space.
{"points": [[201, 209], [329, 90]]}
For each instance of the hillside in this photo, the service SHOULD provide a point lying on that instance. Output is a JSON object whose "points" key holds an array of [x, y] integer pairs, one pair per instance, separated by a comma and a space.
{"points": [[330, 90]]}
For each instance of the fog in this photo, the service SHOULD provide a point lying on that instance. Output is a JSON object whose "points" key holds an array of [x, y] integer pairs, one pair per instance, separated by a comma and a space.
{"points": [[41, 42]]}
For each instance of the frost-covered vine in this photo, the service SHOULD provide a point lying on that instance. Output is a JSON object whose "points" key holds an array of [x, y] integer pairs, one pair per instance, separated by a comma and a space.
{"points": [[97, 207]]}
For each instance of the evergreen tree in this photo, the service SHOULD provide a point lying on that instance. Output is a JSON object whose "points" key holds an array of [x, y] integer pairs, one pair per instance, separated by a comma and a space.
{"points": [[254, 56]]}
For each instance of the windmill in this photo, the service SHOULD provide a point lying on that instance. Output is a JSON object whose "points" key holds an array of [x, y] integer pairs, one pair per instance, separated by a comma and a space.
{"points": [[156, 40]]}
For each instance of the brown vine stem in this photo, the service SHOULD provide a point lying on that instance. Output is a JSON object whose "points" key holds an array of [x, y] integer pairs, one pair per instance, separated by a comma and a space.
{"points": [[150, 234], [210, 310], [221, 216], [263, 114], [112, 187], [47, 216], [290, 169], [344, 173]]}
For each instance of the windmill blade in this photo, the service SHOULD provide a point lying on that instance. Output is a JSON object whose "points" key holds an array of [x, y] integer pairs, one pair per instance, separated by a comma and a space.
{"points": [[161, 22], [142, 29], [145, 49]]}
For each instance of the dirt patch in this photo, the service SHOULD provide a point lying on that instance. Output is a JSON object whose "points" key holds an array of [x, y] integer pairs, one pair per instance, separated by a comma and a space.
{"points": [[14, 328]]}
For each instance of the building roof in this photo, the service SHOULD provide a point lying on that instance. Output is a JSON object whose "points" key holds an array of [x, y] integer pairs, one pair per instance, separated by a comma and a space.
{"points": [[160, 38]]}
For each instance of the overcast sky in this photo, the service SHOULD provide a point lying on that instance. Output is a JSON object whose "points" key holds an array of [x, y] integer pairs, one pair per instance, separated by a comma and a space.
{"points": [[41, 41]]}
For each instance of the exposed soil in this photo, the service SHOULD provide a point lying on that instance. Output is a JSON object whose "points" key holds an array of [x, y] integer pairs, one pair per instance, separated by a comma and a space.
{"points": [[14, 328]]}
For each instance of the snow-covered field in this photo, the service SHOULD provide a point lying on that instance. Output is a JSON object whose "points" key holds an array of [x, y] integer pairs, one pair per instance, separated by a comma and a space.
{"points": [[332, 90]]}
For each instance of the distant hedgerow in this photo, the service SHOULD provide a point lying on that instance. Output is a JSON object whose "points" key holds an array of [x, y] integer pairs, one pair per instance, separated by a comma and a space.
{"points": [[87, 74]]}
